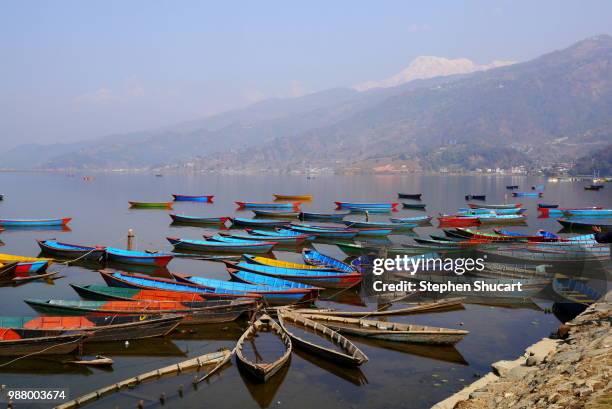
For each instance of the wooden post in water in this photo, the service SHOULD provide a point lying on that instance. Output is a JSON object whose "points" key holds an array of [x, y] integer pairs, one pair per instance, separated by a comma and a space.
{"points": [[130, 239]]}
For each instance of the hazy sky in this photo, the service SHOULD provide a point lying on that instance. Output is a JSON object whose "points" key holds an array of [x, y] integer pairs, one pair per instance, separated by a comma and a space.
{"points": [[72, 70]]}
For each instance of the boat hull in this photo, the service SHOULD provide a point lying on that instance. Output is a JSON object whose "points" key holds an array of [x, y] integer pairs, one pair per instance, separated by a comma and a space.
{"points": [[34, 222], [189, 198]]}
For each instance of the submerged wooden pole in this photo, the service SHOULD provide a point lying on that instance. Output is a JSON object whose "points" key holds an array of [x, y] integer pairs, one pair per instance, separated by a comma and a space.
{"points": [[130, 239]]}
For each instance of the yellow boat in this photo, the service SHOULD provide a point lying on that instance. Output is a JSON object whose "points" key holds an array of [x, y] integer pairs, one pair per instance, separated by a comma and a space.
{"points": [[278, 263], [11, 258], [293, 197]]}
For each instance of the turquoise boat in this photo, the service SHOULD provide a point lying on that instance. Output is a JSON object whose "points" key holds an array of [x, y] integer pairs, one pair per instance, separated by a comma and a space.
{"points": [[34, 222], [527, 194], [137, 257], [594, 213], [242, 221], [358, 205], [420, 220], [238, 246], [337, 233], [280, 239], [258, 279]]}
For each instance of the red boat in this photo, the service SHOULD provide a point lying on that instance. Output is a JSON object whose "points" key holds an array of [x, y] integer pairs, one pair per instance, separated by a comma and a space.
{"points": [[458, 221]]}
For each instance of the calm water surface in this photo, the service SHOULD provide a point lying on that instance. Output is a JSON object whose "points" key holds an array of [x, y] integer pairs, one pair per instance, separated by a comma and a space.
{"points": [[397, 376]]}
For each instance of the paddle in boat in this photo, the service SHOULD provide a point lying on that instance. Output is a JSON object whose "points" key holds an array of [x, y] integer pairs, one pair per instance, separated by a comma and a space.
{"points": [[295, 206], [34, 222], [138, 257], [326, 278], [18, 342], [71, 251], [292, 197], [340, 351], [100, 328], [390, 331], [251, 361], [238, 246], [271, 295], [182, 218], [189, 198], [150, 205]]}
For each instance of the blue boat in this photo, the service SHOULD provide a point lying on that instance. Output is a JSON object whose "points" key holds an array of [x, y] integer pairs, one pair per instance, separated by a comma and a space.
{"points": [[472, 212], [326, 232], [258, 279], [71, 251], [182, 218], [385, 225], [547, 206], [34, 222], [575, 295], [137, 257], [278, 238], [189, 198], [269, 205], [242, 246], [369, 210], [527, 194], [582, 213], [279, 232], [242, 221], [272, 295], [336, 217], [420, 220], [326, 278], [357, 205], [374, 231], [315, 258]]}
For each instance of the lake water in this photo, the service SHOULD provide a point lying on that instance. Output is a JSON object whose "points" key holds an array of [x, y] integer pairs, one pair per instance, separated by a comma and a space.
{"points": [[396, 376]]}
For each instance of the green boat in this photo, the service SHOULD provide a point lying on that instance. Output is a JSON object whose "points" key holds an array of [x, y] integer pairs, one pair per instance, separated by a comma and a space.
{"points": [[150, 205]]}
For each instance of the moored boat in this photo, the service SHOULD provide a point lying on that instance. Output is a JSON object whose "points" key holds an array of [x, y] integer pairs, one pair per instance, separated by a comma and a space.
{"points": [[322, 216], [547, 206], [575, 295], [191, 198], [420, 220], [414, 206], [314, 258], [276, 213], [593, 187], [604, 225], [240, 246], [263, 371], [268, 205], [100, 327], [7, 271], [390, 331], [272, 262], [19, 342], [242, 221], [511, 187], [325, 232], [34, 222], [182, 218], [475, 197], [344, 353], [292, 197], [385, 225], [137, 257], [502, 219], [150, 205], [258, 279], [293, 240], [590, 213], [494, 206], [361, 205], [527, 194], [415, 196], [71, 251], [458, 221]]}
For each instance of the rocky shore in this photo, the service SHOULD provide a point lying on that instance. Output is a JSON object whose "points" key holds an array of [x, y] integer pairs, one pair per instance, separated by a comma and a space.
{"points": [[572, 371]]}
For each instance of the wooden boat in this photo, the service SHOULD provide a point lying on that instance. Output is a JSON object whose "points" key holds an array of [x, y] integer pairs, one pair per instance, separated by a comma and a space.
{"points": [[272, 262], [415, 206], [593, 187], [384, 225], [390, 331], [34, 222], [494, 206], [216, 360], [150, 205], [181, 218], [338, 233], [199, 309], [419, 220], [271, 295], [241, 221], [445, 304], [275, 213], [475, 197], [576, 295], [547, 206], [14, 342], [348, 354], [458, 221], [7, 271], [604, 225], [141, 281], [527, 194], [269, 205], [221, 247], [99, 360], [71, 251], [314, 258], [331, 217], [189, 198], [511, 187], [31, 266], [590, 213], [502, 219], [326, 278], [263, 371], [357, 205], [138, 257], [416, 196], [100, 327], [280, 239], [258, 279], [292, 197]]}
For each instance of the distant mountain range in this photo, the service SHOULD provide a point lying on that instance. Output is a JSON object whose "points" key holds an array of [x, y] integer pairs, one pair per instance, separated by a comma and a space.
{"points": [[553, 108]]}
